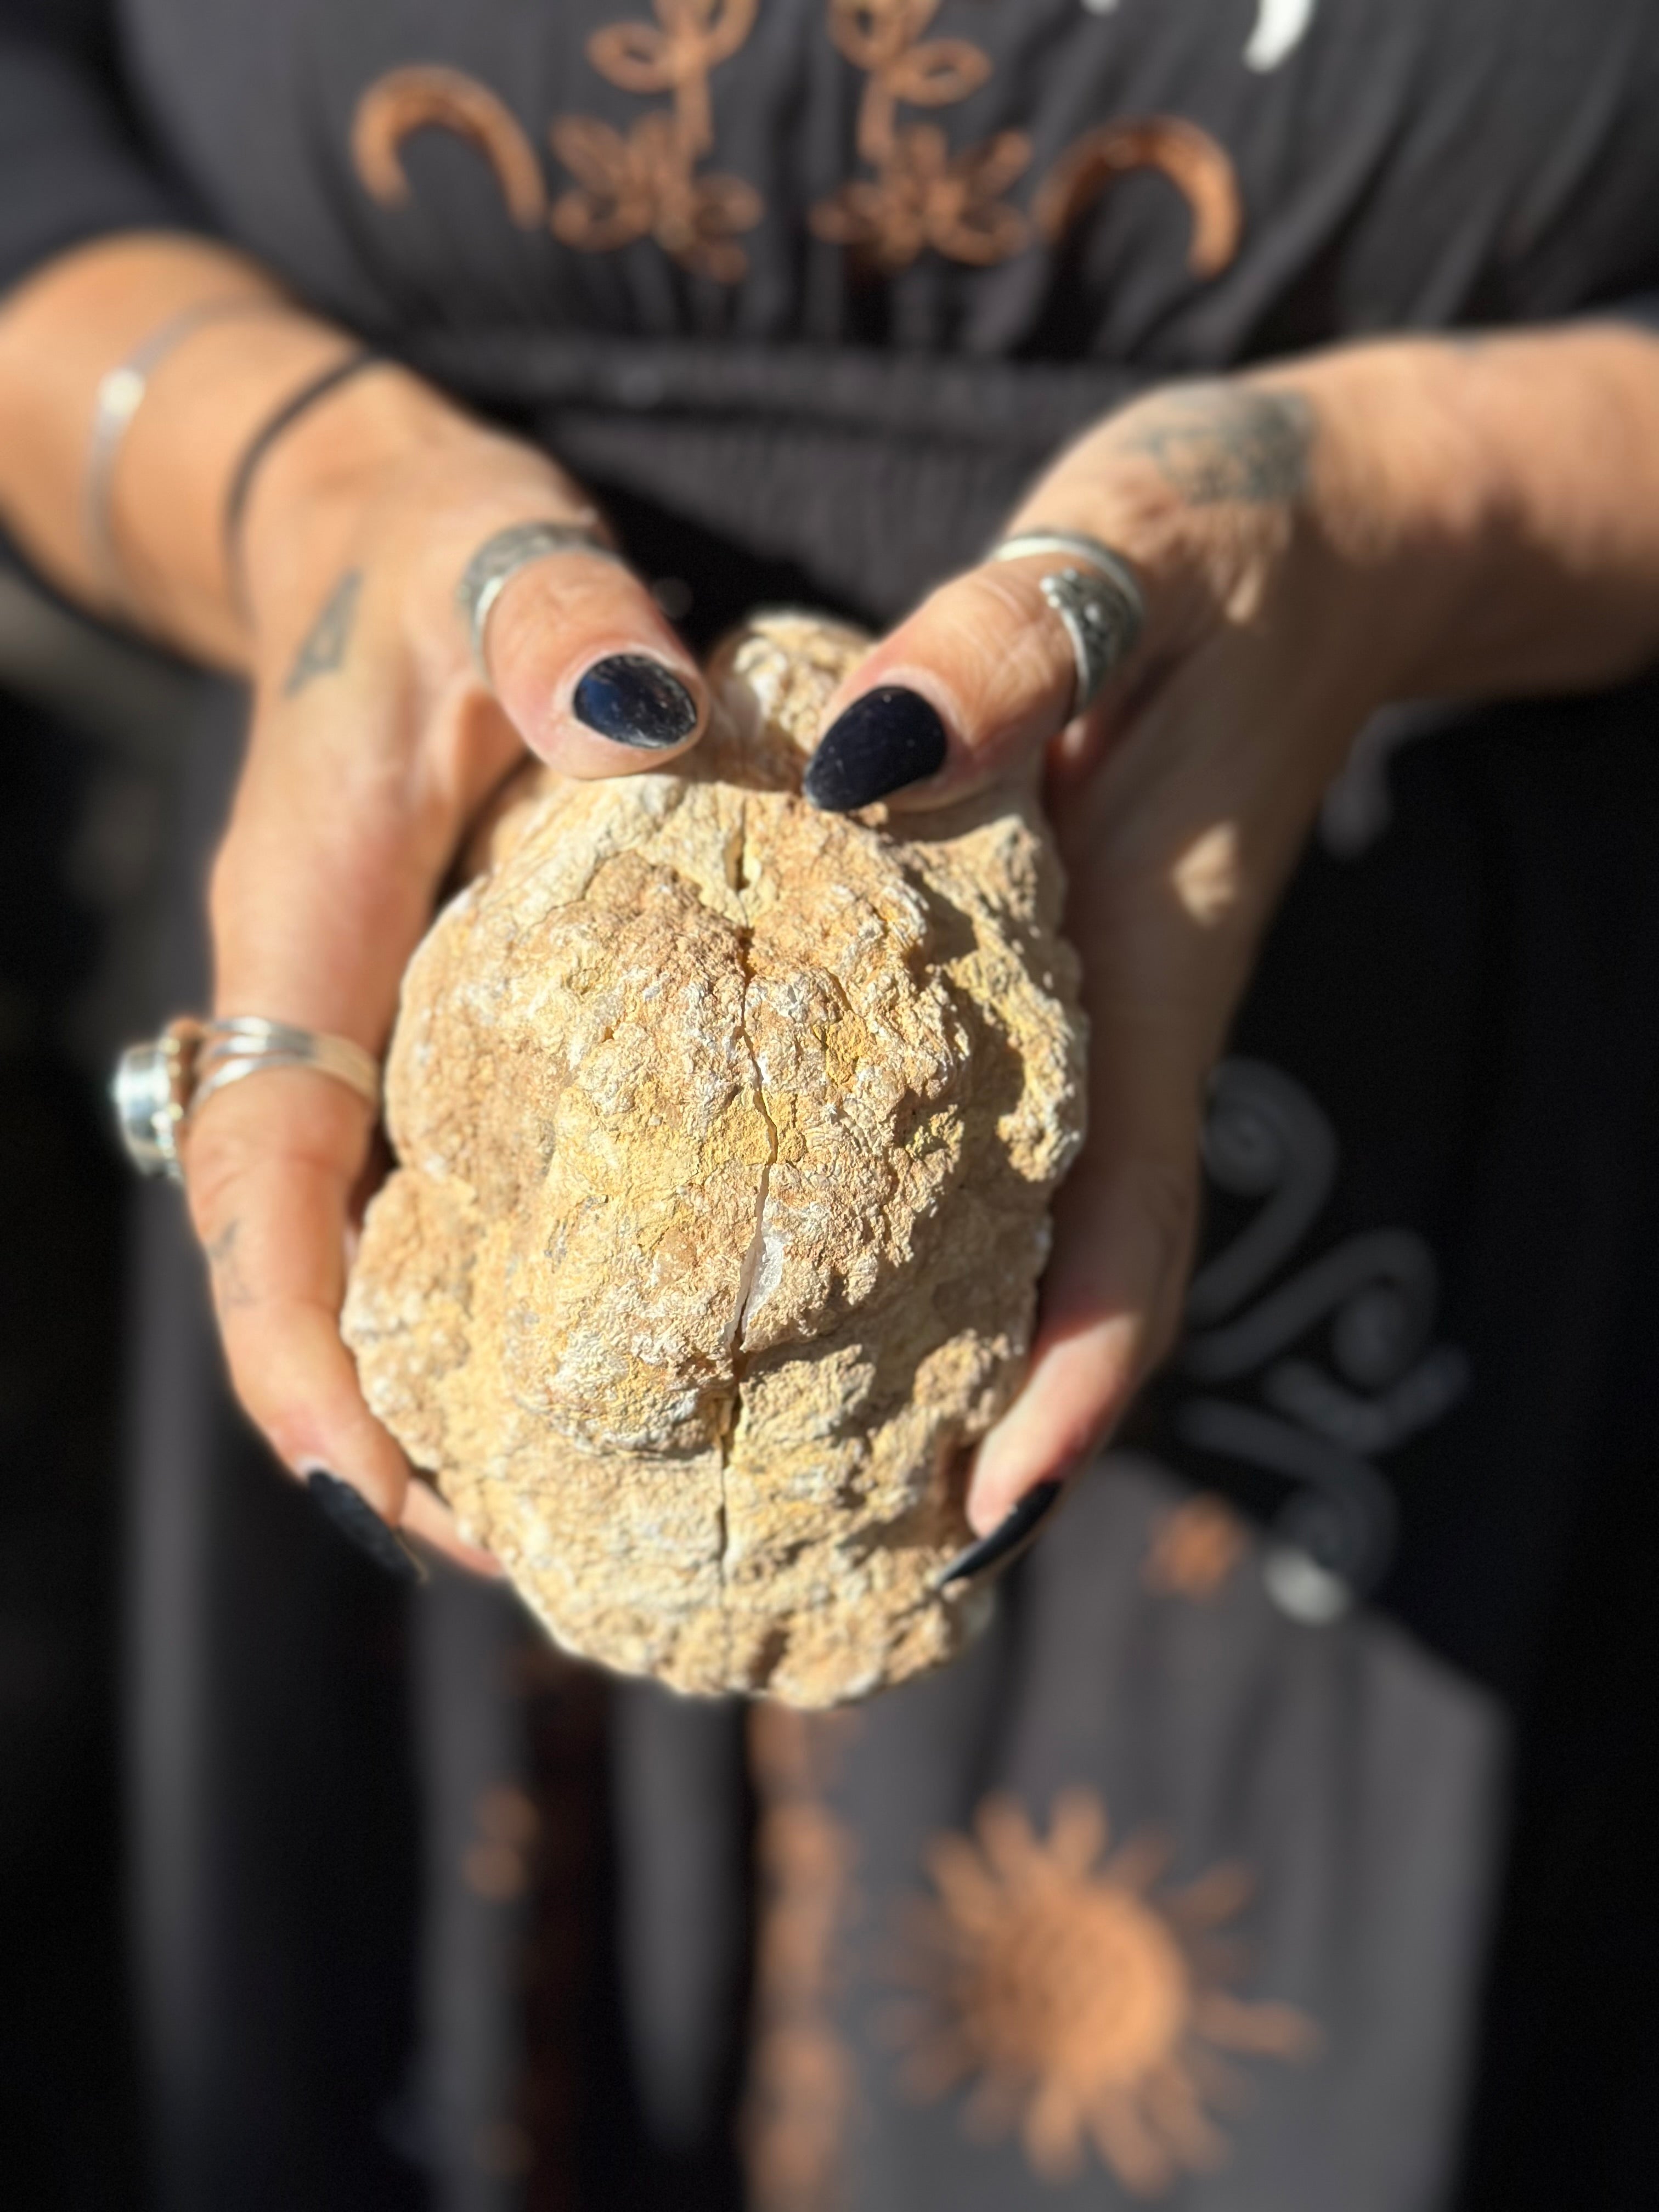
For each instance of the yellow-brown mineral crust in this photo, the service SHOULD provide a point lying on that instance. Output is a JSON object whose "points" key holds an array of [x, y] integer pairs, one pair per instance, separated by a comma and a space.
{"points": [[728, 1131]]}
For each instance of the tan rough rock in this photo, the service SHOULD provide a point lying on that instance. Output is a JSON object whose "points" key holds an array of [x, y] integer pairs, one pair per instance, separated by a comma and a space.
{"points": [[728, 1131]]}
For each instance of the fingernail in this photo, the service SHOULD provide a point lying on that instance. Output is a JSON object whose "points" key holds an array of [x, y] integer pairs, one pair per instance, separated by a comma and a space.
{"points": [[357, 1521], [635, 700], [888, 738], [1007, 1540]]}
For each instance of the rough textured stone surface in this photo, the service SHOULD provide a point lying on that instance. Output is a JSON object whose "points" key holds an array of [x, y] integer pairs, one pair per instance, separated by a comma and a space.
{"points": [[728, 1131]]}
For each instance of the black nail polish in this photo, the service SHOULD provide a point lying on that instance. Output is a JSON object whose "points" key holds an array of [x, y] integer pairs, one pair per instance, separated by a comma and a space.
{"points": [[888, 738], [635, 700], [357, 1521], [1008, 1539]]}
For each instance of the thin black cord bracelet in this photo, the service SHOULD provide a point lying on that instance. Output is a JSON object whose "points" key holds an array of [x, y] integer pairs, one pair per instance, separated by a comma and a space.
{"points": [[241, 485]]}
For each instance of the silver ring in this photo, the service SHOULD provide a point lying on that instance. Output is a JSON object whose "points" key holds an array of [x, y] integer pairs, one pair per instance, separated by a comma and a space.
{"points": [[158, 1086], [1101, 606], [500, 557]]}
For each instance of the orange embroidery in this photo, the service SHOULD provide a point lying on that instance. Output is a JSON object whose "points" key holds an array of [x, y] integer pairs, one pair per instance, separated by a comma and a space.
{"points": [[1082, 2007], [429, 98], [1199, 168], [646, 185], [646, 182], [1194, 1548], [801, 2084], [921, 195]]}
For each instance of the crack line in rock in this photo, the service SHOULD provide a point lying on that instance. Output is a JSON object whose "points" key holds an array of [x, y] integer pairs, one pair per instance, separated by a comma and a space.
{"points": [[750, 1268]]}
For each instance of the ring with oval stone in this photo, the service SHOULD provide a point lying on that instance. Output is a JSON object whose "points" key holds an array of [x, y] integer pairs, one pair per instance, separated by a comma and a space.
{"points": [[157, 1086], [1096, 596], [500, 558]]}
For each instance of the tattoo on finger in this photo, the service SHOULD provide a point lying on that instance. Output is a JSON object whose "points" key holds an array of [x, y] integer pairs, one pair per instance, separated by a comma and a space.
{"points": [[328, 637], [1216, 442], [230, 1286]]}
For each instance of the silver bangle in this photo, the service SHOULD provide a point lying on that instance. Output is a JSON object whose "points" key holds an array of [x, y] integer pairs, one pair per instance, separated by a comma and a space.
{"points": [[120, 394], [159, 1086], [1099, 606], [500, 558]]}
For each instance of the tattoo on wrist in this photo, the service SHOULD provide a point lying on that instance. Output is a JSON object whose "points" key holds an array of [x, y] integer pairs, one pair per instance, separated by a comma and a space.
{"points": [[1215, 442], [329, 636]]}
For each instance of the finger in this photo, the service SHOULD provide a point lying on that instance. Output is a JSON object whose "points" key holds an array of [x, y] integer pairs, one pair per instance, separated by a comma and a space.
{"points": [[971, 688], [429, 1518], [589, 670], [319, 894], [1167, 953], [1110, 1304], [270, 1165]]}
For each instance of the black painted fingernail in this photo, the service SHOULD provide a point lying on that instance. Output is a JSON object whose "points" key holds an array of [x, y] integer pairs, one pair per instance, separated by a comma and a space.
{"points": [[356, 1520], [1008, 1539], [635, 700], [884, 740]]}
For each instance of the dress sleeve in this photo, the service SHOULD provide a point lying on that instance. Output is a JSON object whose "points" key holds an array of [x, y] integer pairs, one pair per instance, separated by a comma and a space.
{"points": [[71, 164]]}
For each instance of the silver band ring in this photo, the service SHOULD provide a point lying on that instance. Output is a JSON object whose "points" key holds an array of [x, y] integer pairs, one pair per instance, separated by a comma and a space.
{"points": [[160, 1085], [1100, 604], [500, 558]]}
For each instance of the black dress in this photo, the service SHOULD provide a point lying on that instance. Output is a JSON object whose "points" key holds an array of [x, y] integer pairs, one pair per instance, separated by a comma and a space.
{"points": [[1280, 1846]]}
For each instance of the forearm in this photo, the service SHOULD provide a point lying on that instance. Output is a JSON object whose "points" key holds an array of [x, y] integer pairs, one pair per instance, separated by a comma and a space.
{"points": [[1502, 498], [83, 314]]}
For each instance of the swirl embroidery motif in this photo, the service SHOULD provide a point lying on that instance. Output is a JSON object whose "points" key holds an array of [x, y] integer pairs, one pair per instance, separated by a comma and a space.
{"points": [[1377, 1293], [800, 2104], [647, 182], [646, 185], [921, 195]]}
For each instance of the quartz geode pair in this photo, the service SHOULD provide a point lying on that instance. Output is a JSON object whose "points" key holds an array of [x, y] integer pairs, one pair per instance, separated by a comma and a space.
{"points": [[728, 1131]]}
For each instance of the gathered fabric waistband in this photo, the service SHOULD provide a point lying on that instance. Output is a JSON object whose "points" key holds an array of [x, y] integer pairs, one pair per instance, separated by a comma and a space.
{"points": [[875, 473]]}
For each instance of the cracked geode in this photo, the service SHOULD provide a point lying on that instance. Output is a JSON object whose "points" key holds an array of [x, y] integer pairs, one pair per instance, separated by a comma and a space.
{"points": [[728, 1132]]}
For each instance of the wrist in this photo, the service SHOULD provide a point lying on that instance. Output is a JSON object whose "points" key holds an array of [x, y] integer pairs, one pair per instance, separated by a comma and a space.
{"points": [[387, 471], [1408, 502]]}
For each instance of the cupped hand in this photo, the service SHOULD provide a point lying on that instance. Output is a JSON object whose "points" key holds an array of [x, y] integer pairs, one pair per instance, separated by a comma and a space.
{"points": [[1259, 528], [374, 745]]}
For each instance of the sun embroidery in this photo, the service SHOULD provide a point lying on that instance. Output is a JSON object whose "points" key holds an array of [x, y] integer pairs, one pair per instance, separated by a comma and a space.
{"points": [[1082, 2007]]}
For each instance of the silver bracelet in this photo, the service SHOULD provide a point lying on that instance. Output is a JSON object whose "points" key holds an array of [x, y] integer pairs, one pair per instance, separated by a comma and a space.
{"points": [[120, 394]]}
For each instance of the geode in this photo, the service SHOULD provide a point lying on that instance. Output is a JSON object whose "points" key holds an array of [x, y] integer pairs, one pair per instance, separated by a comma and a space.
{"points": [[726, 1133]]}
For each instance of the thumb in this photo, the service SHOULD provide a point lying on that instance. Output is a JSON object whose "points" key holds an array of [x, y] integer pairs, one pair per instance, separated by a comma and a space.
{"points": [[971, 688], [586, 666]]}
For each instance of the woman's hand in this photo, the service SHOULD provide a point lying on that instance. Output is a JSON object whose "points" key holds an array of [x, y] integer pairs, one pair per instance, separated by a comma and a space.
{"points": [[375, 744], [1399, 520], [374, 741]]}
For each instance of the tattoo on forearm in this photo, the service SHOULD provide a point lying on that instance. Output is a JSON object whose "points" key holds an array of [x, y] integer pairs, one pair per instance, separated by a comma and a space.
{"points": [[229, 1281], [1214, 442], [327, 639]]}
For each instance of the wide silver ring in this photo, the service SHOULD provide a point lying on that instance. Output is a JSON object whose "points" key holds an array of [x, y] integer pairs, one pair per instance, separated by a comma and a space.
{"points": [[1099, 603], [158, 1086], [500, 558]]}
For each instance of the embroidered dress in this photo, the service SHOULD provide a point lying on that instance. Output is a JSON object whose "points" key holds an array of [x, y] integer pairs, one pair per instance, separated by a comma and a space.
{"points": [[1184, 1885]]}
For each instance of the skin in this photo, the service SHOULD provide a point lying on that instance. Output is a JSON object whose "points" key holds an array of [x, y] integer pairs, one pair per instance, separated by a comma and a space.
{"points": [[1396, 520]]}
